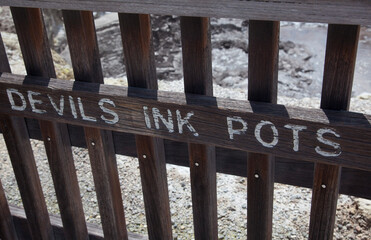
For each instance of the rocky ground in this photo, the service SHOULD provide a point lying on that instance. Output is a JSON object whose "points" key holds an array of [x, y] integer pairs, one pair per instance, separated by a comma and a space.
{"points": [[299, 85]]}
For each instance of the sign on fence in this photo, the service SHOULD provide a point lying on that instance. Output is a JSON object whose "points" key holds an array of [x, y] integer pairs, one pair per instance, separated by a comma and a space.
{"points": [[312, 134]]}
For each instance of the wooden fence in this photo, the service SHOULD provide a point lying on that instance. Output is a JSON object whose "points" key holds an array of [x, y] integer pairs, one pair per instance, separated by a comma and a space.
{"points": [[317, 148]]}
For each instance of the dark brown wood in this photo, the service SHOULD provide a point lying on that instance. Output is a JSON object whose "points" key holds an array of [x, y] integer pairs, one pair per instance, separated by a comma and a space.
{"points": [[20, 152], [140, 67], [138, 50], [38, 62], [209, 119], [341, 51], [7, 229], [4, 63], [340, 60], [106, 181], [64, 177], [262, 86], [94, 230], [260, 176], [84, 51], [354, 182], [196, 48], [334, 11], [23, 162]]}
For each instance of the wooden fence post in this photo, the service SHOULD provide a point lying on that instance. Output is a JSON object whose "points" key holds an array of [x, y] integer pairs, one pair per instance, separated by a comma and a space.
{"points": [[82, 42], [262, 86], [140, 68], [341, 52], [196, 47]]}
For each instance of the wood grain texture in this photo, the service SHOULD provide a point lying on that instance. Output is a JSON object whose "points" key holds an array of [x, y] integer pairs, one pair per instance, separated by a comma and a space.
{"points": [[262, 86], [4, 63], [38, 62], [23, 162], [20, 152], [294, 172], [327, 11], [140, 67], [260, 176], [7, 229], [341, 51], [138, 50], [196, 49], [106, 181], [209, 119], [94, 230], [86, 64], [340, 60]]}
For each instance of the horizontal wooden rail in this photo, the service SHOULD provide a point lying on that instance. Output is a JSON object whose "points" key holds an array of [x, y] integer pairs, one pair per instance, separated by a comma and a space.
{"points": [[333, 137], [229, 161], [327, 11]]}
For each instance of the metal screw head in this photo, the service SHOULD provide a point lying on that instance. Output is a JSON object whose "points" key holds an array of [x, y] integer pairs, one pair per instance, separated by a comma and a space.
{"points": [[323, 186], [144, 156], [256, 175], [93, 143], [197, 164], [48, 138]]}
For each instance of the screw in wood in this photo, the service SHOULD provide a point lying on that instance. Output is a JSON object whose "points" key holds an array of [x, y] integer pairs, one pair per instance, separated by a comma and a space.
{"points": [[197, 164], [48, 138], [92, 143], [256, 175], [323, 186], [144, 156]]}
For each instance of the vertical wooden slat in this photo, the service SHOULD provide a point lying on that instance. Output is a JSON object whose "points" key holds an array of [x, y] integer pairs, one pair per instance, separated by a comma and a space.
{"points": [[196, 48], [341, 51], [140, 67], [38, 62], [20, 152], [85, 59], [7, 229], [262, 86]]}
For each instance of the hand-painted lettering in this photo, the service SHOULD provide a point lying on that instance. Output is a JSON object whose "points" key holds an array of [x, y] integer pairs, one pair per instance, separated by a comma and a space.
{"points": [[61, 105], [185, 121], [73, 107], [295, 134], [257, 132], [231, 130], [325, 141], [168, 123], [115, 118], [146, 117], [11, 92], [33, 101], [82, 112]]}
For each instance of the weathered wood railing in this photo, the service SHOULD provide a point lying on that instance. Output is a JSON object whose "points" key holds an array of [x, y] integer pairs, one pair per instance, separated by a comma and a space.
{"points": [[327, 144]]}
